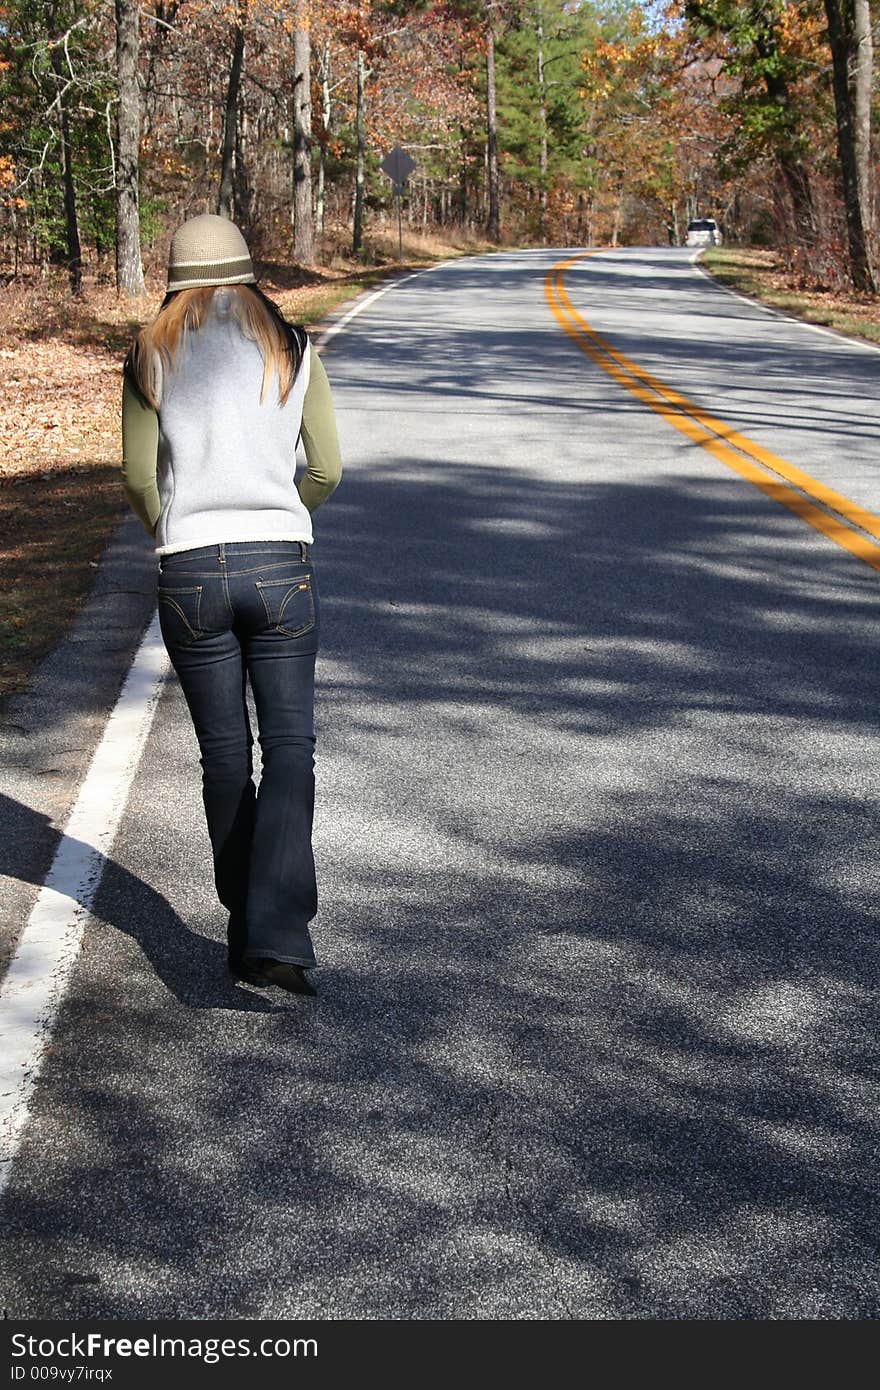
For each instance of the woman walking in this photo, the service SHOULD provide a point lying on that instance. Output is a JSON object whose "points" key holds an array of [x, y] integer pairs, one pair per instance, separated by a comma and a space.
{"points": [[217, 391]]}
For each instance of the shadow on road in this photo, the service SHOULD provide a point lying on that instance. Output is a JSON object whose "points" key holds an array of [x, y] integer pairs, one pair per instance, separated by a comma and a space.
{"points": [[594, 1037], [191, 966]]}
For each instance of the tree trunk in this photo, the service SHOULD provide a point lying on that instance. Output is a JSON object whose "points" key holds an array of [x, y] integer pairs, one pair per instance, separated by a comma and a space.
{"points": [[618, 216], [850, 39], [242, 196], [674, 227], [325, 134], [71, 221], [863, 77], [462, 159], [493, 224], [74, 249], [542, 125], [230, 120], [463, 177], [357, 239], [129, 270], [303, 230]]}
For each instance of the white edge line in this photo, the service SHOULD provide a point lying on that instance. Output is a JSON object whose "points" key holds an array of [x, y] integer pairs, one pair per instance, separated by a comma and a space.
{"points": [[361, 304], [845, 339], [35, 980], [365, 303]]}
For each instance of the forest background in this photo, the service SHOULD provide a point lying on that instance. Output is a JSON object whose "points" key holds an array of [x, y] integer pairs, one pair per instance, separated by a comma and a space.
{"points": [[531, 122]]}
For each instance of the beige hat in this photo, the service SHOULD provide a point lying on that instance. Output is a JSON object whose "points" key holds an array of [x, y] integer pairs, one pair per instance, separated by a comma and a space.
{"points": [[208, 250]]}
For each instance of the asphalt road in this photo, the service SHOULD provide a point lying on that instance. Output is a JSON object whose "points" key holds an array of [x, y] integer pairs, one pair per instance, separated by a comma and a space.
{"points": [[597, 847]]}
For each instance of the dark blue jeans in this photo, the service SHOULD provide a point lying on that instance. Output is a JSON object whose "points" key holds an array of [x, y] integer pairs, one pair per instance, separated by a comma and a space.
{"points": [[228, 613]]}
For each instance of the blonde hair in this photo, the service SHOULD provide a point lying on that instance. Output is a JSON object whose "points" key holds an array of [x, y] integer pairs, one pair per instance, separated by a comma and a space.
{"points": [[157, 345]]}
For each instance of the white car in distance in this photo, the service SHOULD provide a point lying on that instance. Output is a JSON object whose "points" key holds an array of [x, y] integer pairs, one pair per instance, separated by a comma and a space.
{"points": [[703, 231]]}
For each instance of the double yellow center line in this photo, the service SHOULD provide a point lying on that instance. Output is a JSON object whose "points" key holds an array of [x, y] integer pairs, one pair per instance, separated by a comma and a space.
{"points": [[841, 520]]}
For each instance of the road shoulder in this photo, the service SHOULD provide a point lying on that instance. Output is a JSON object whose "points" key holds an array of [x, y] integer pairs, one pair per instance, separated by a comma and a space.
{"points": [[853, 318], [51, 728]]}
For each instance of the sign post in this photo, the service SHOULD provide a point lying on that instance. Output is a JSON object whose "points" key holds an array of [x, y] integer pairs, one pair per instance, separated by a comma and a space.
{"points": [[398, 165]]}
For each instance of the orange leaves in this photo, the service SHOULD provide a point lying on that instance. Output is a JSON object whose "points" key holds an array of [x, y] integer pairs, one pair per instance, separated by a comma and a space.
{"points": [[7, 181], [802, 30], [173, 164], [608, 65]]}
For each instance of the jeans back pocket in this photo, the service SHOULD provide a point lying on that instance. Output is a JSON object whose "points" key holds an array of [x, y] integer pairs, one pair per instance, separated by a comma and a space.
{"points": [[289, 604], [180, 614]]}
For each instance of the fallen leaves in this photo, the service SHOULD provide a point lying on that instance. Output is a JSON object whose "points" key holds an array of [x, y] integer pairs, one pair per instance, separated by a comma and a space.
{"points": [[59, 404]]}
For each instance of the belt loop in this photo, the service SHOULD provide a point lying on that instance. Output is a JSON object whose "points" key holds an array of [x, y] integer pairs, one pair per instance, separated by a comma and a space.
{"points": [[221, 556], [303, 552]]}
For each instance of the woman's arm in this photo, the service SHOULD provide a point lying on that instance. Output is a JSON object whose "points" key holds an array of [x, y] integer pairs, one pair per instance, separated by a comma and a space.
{"points": [[324, 464], [140, 448]]}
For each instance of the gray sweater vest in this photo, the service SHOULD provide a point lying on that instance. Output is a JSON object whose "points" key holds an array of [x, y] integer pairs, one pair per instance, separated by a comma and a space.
{"points": [[226, 461]]}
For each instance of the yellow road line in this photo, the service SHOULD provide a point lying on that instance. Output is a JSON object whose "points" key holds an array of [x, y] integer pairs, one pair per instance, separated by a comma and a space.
{"points": [[751, 460]]}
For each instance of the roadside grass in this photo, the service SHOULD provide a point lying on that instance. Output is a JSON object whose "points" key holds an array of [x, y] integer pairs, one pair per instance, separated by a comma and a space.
{"points": [[60, 384], [761, 274]]}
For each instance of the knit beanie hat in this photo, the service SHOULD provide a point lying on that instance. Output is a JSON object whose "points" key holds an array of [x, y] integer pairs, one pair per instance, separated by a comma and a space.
{"points": [[208, 250]]}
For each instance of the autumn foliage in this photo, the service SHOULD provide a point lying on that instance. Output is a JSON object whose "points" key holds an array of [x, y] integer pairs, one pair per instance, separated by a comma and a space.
{"points": [[616, 121]]}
